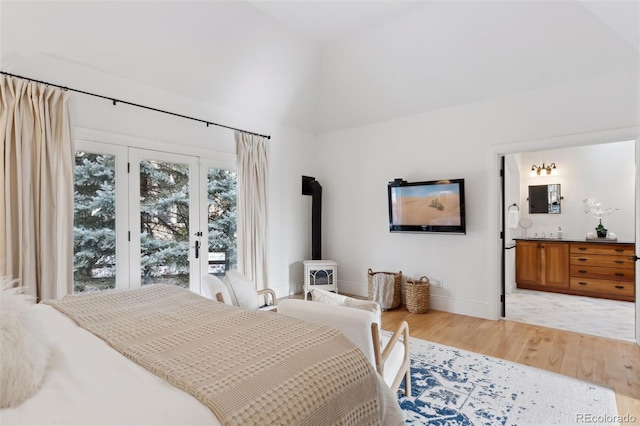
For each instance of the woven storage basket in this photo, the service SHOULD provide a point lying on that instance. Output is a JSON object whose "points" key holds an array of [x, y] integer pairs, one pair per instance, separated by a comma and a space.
{"points": [[417, 295], [397, 286]]}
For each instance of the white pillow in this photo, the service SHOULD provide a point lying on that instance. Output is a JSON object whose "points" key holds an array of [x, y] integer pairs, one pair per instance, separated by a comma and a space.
{"points": [[242, 290], [24, 349], [330, 298], [324, 296], [367, 305]]}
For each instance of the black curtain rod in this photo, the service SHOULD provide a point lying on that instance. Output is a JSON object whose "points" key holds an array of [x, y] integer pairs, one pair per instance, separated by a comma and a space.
{"points": [[115, 101]]}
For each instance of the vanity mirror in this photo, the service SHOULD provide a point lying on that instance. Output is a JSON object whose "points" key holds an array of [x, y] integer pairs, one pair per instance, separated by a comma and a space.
{"points": [[544, 198]]}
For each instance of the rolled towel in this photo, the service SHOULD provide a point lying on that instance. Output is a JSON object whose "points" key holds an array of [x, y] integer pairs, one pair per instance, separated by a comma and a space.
{"points": [[512, 219]]}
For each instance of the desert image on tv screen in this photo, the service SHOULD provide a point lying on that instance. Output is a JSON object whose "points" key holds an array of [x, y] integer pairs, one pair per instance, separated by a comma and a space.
{"points": [[433, 205]]}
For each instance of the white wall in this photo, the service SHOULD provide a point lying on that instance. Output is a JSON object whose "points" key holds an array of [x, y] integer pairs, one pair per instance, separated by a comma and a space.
{"points": [[224, 53], [449, 53], [605, 172], [450, 143]]}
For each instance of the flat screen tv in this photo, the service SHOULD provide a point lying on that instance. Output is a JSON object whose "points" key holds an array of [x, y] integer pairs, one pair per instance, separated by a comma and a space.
{"points": [[430, 206]]}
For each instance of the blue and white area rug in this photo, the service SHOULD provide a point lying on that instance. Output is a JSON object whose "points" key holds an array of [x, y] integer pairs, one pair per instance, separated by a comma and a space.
{"points": [[454, 387]]}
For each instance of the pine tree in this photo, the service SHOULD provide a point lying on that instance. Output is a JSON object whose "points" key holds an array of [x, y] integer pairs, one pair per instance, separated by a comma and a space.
{"points": [[164, 219]]}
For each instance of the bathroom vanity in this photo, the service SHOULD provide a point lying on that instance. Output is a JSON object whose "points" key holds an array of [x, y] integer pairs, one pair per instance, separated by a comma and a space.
{"points": [[602, 269]]}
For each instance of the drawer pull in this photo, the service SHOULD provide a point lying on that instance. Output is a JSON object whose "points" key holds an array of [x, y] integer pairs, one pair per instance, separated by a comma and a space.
{"points": [[619, 261], [620, 287], [582, 259], [619, 274], [582, 248], [582, 271], [581, 283], [619, 250]]}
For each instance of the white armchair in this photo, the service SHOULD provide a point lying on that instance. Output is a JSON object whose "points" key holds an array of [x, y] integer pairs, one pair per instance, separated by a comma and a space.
{"points": [[237, 290], [389, 354]]}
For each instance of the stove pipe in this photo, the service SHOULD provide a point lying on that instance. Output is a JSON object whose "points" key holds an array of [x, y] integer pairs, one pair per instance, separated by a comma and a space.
{"points": [[310, 186]]}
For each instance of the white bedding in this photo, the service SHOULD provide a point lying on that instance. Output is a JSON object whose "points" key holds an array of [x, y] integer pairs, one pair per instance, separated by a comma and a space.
{"points": [[89, 383]]}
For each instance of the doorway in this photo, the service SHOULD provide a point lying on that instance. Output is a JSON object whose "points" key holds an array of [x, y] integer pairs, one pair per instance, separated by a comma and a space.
{"points": [[607, 181]]}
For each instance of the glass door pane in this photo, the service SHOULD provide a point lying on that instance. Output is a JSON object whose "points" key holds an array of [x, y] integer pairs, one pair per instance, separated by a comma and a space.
{"points": [[100, 246], [94, 222], [164, 222], [221, 220], [165, 212]]}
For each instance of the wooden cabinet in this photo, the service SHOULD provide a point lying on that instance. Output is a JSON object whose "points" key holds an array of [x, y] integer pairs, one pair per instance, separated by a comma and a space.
{"points": [[603, 270], [589, 269], [542, 264]]}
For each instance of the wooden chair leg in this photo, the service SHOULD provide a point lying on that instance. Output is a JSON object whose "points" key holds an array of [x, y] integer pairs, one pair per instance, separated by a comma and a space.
{"points": [[407, 382]]}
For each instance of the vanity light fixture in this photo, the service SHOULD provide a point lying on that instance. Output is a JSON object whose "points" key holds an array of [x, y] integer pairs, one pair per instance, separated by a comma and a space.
{"points": [[544, 170]]}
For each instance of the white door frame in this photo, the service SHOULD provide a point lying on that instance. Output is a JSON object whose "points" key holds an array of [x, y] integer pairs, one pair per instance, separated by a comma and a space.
{"points": [[594, 138]]}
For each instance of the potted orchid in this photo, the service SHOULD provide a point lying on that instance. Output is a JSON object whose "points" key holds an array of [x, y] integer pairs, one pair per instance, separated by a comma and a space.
{"points": [[594, 209]]}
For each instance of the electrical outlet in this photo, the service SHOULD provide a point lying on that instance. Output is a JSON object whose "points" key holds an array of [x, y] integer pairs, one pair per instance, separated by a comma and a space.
{"points": [[437, 282]]}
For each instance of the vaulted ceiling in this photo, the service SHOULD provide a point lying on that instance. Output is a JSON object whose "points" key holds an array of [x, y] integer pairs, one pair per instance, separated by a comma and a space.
{"points": [[328, 65]]}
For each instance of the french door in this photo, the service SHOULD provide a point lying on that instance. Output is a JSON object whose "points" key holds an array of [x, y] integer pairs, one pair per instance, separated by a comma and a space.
{"points": [[145, 216], [163, 219]]}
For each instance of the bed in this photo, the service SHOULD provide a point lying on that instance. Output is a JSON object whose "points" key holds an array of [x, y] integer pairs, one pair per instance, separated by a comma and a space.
{"points": [[152, 366]]}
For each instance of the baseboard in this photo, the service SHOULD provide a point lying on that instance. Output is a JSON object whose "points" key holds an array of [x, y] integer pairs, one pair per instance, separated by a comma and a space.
{"points": [[437, 302], [462, 307], [356, 289]]}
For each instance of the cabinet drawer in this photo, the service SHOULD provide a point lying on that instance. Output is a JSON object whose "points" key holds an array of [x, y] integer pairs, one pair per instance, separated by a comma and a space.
{"points": [[612, 288], [618, 262], [599, 248], [616, 274]]}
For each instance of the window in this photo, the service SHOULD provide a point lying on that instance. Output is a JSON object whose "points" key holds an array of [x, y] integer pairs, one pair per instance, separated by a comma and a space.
{"points": [[143, 216]]}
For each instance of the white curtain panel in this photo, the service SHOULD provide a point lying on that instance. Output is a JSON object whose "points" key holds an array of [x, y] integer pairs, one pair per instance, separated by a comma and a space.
{"points": [[252, 207], [36, 183]]}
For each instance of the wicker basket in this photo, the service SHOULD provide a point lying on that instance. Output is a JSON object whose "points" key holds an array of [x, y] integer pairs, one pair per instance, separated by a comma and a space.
{"points": [[417, 295], [397, 286]]}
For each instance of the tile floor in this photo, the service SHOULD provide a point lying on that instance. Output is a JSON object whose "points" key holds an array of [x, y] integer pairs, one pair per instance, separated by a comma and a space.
{"points": [[600, 317]]}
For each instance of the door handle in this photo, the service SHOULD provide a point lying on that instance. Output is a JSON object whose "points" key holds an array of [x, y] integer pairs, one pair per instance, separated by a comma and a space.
{"points": [[197, 246]]}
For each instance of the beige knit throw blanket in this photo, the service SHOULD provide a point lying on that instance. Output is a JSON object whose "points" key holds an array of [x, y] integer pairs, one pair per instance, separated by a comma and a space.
{"points": [[248, 367]]}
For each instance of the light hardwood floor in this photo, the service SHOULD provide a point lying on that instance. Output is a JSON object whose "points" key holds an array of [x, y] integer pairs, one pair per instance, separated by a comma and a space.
{"points": [[611, 363]]}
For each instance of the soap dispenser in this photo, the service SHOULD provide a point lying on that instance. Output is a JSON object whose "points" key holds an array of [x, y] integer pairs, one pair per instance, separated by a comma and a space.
{"points": [[559, 232]]}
